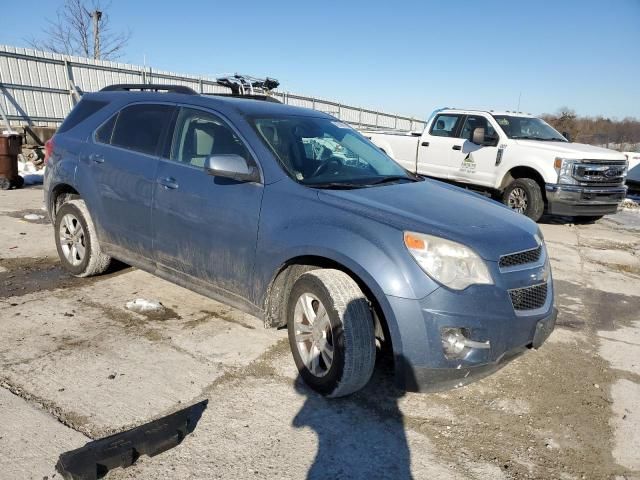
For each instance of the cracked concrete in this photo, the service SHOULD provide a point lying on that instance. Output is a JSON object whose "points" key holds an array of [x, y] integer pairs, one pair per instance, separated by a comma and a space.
{"points": [[75, 364]]}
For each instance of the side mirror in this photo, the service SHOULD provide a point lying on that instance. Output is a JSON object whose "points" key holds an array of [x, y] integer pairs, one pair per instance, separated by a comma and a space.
{"points": [[478, 136], [567, 135], [231, 166]]}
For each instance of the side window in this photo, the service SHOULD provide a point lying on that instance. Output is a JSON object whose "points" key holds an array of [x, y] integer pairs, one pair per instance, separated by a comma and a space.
{"points": [[140, 127], [103, 134], [476, 121], [445, 125], [199, 135], [80, 112]]}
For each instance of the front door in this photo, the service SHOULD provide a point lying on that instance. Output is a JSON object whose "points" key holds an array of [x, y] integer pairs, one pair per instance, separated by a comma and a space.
{"points": [[472, 163], [435, 149], [205, 227]]}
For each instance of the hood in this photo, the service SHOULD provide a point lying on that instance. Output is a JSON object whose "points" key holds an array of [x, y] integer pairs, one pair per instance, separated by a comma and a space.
{"points": [[573, 150], [436, 208]]}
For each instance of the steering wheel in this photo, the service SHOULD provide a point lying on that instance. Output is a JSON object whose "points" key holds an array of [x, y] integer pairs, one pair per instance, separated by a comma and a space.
{"points": [[325, 166]]}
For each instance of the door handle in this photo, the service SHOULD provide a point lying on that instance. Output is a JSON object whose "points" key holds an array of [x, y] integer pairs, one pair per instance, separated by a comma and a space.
{"points": [[96, 158], [168, 182], [425, 144], [457, 147]]}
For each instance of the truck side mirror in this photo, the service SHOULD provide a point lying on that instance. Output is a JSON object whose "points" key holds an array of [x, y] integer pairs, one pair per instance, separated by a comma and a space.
{"points": [[567, 135], [478, 136], [231, 166]]}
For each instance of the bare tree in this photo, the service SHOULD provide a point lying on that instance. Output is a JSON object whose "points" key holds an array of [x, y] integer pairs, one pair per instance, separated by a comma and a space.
{"points": [[82, 28]]}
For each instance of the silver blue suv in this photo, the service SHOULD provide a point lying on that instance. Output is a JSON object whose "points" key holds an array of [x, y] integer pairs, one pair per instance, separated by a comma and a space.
{"points": [[293, 216]]}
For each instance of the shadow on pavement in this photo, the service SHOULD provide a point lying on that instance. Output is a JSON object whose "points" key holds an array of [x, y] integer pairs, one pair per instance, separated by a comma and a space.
{"points": [[359, 437]]}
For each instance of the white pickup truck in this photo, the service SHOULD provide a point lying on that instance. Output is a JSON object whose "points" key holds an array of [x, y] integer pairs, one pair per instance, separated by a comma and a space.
{"points": [[516, 157]]}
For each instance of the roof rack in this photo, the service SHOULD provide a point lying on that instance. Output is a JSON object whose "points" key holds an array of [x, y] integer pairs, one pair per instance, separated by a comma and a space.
{"points": [[247, 85], [127, 87]]}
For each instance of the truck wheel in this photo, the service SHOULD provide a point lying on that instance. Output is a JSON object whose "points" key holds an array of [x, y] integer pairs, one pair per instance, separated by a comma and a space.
{"points": [[524, 195], [331, 332], [77, 242]]}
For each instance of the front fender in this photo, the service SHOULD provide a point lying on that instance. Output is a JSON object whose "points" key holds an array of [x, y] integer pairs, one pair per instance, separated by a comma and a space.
{"points": [[521, 158]]}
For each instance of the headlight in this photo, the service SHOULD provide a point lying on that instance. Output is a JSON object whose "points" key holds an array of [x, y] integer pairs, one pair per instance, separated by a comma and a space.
{"points": [[564, 167], [447, 262]]}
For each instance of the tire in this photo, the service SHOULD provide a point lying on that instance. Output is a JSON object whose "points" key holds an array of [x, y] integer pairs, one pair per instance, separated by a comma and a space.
{"points": [[524, 195], [346, 331], [81, 254]]}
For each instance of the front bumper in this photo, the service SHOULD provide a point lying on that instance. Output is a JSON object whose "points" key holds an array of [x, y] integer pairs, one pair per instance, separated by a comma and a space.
{"points": [[485, 312], [577, 200]]}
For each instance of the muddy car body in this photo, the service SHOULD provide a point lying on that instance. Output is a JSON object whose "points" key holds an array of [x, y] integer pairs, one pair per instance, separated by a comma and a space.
{"points": [[218, 195]]}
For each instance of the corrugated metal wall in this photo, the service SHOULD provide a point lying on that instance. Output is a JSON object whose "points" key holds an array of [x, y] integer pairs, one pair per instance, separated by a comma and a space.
{"points": [[36, 88]]}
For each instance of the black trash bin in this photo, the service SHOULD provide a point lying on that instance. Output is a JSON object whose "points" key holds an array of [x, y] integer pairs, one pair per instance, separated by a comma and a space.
{"points": [[10, 147]]}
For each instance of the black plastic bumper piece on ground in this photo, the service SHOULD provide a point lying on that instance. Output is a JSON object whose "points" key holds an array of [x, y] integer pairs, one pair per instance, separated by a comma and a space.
{"points": [[96, 458]]}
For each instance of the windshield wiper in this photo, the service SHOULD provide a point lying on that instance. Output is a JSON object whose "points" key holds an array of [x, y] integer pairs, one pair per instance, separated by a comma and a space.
{"points": [[335, 185], [525, 137], [391, 178]]}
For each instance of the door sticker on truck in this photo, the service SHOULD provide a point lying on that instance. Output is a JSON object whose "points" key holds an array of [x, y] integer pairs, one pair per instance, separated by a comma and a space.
{"points": [[499, 154], [468, 164]]}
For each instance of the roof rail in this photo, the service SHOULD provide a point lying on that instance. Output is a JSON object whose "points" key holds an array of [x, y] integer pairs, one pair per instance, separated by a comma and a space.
{"points": [[127, 87]]}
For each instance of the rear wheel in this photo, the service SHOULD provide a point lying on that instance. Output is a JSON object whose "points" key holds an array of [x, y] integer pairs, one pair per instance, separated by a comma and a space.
{"points": [[77, 242], [524, 195], [331, 332]]}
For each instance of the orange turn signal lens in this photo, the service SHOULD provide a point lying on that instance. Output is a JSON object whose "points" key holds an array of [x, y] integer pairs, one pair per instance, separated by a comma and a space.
{"points": [[558, 163], [413, 242]]}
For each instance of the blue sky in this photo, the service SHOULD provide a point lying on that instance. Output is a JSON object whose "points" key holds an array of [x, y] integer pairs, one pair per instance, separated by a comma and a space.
{"points": [[407, 57]]}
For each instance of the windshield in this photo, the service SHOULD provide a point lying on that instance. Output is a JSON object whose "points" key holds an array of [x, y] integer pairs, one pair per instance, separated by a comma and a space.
{"points": [[327, 153], [528, 128]]}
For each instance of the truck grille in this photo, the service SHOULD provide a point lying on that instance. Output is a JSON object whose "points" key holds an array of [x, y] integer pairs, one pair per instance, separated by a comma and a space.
{"points": [[590, 172], [529, 298], [521, 258]]}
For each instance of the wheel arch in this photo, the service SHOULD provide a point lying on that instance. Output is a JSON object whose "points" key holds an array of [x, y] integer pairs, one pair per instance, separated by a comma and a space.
{"points": [[277, 296], [523, 171], [59, 194]]}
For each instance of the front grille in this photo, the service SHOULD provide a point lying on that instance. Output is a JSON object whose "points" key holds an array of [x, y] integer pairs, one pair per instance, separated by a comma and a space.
{"points": [[529, 298], [598, 173], [521, 258]]}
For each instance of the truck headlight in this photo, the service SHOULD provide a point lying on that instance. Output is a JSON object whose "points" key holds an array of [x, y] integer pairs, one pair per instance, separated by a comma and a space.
{"points": [[564, 167], [447, 262]]}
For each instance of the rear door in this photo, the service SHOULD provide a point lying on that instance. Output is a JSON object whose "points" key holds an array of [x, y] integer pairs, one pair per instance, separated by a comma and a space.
{"points": [[205, 226], [122, 164], [435, 149], [472, 163]]}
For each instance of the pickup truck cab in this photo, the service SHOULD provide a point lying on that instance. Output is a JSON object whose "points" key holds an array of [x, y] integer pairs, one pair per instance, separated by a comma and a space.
{"points": [[517, 157], [294, 217]]}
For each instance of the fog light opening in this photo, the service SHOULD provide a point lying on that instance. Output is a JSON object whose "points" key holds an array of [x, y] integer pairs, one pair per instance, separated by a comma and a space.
{"points": [[456, 344]]}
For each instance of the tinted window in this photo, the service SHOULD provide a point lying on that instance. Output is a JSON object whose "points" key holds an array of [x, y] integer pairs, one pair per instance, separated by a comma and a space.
{"points": [[80, 112], [476, 121], [140, 127], [103, 134], [445, 125], [200, 134]]}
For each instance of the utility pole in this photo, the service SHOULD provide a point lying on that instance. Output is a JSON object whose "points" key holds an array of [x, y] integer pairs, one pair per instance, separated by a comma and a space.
{"points": [[96, 15]]}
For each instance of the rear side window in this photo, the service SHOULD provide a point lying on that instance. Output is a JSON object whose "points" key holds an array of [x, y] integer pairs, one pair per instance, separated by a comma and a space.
{"points": [[80, 112], [445, 125], [103, 134], [141, 127]]}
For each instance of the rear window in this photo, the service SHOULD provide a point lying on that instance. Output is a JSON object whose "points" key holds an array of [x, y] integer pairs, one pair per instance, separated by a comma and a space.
{"points": [[140, 127], [80, 112]]}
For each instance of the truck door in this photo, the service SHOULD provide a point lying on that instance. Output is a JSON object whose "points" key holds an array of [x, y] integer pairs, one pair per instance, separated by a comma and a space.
{"points": [[436, 146], [472, 163]]}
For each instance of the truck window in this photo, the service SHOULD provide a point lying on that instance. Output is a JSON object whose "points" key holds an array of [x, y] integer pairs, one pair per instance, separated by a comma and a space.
{"points": [[476, 121], [445, 125]]}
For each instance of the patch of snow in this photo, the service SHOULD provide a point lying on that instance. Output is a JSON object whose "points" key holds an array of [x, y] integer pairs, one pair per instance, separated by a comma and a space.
{"points": [[141, 305], [30, 173], [33, 216], [630, 204]]}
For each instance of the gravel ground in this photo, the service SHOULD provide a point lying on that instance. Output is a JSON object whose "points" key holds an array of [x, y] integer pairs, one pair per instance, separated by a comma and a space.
{"points": [[77, 365]]}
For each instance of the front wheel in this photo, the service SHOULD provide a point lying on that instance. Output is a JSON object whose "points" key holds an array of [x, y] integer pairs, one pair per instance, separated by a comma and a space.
{"points": [[524, 195], [331, 332]]}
